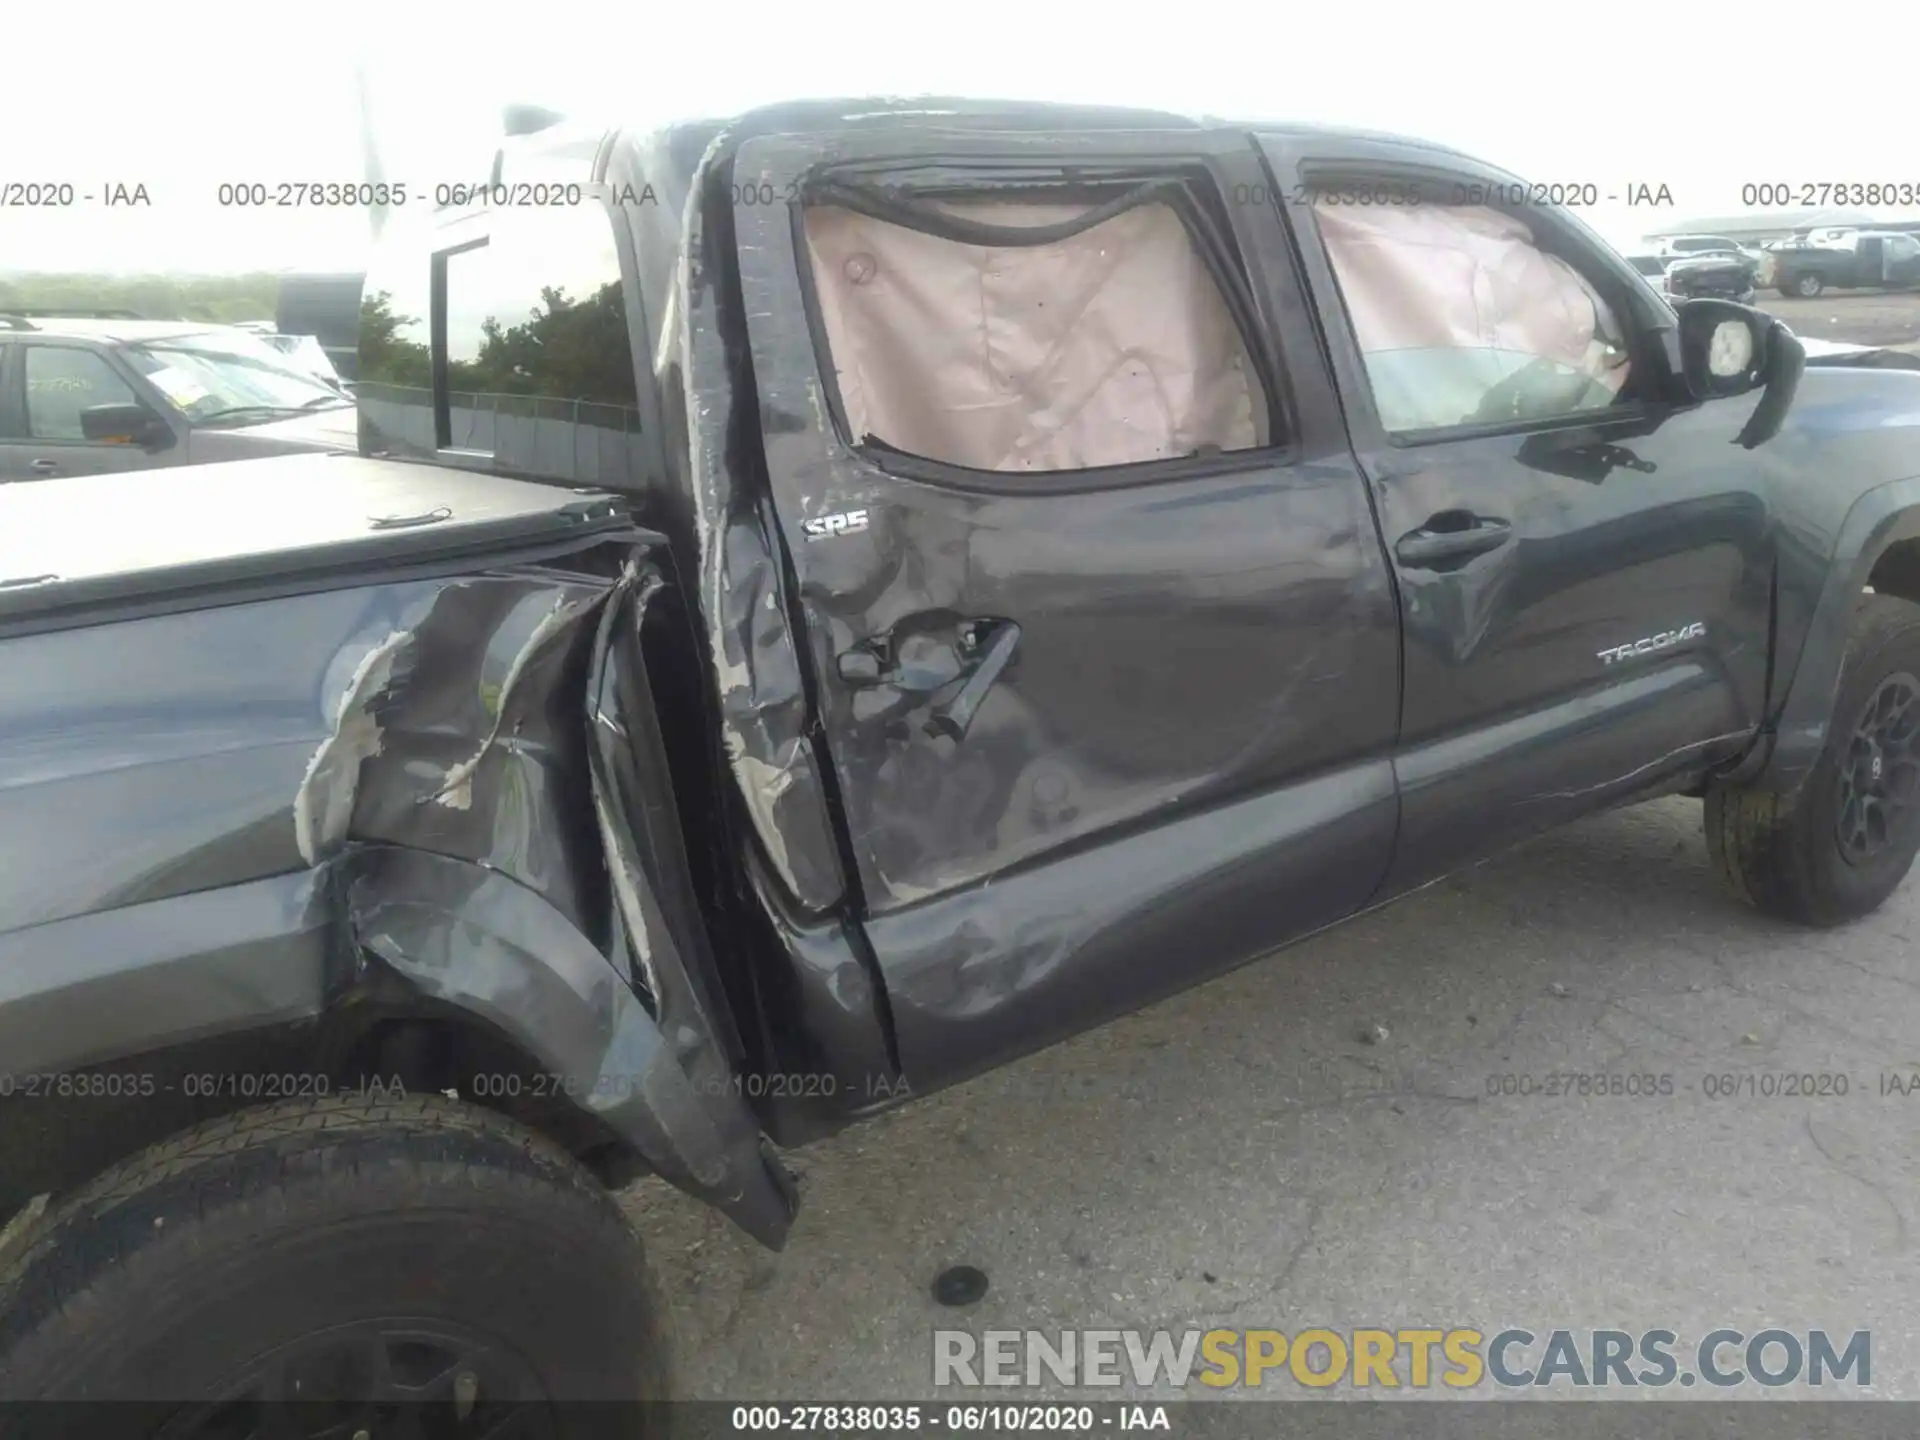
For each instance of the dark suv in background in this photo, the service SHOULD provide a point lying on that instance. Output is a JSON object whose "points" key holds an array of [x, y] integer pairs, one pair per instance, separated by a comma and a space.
{"points": [[87, 395]]}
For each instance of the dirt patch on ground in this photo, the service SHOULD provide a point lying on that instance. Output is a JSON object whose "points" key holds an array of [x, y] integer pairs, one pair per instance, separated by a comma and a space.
{"points": [[1865, 317]]}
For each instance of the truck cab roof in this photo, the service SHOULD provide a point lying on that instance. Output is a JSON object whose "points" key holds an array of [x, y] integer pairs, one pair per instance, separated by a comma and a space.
{"points": [[686, 140]]}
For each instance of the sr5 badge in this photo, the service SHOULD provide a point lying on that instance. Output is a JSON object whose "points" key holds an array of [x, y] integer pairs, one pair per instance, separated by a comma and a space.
{"points": [[826, 527]]}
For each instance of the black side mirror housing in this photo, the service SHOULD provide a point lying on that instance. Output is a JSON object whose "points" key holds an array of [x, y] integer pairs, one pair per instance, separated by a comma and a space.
{"points": [[1728, 349], [124, 425]]}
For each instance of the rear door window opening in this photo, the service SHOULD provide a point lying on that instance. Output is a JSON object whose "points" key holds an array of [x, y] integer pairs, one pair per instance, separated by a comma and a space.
{"points": [[1034, 328]]}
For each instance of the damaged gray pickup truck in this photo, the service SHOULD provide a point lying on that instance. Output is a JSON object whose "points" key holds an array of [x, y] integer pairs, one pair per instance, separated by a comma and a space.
{"points": [[867, 592]]}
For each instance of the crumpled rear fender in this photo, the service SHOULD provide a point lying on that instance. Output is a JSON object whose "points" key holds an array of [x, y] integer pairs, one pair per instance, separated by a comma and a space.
{"points": [[632, 1029], [471, 938]]}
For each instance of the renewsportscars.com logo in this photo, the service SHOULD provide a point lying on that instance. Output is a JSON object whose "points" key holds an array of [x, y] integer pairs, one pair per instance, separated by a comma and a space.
{"points": [[1457, 1358]]}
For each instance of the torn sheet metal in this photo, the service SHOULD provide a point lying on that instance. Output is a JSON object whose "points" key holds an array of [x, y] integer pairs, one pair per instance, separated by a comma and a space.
{"points": [[639, 827], [509, 700], [718, 518], [472, 747], [323, 805], [473, 938]]}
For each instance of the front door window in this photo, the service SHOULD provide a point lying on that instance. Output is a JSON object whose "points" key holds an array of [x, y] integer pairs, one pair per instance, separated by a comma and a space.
{"points": [[63, 380], [1463, 319]]}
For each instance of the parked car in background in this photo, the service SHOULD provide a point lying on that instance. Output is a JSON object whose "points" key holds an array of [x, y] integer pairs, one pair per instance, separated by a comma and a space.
{"points": [[1652, 268], [1682, 246], [1712, 277], [1870, 260], [81, 396]]}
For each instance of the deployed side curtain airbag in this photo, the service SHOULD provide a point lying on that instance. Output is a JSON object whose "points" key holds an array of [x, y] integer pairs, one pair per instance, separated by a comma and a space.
{"points": [[1084, 337], [1426, 285]]}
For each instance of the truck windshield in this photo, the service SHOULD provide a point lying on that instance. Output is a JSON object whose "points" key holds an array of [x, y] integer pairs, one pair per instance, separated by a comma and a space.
{"points": [[231, 377]]}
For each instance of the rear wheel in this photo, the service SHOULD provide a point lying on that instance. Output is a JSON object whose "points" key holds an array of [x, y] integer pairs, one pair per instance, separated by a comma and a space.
{"points": [[1840, 845], [418, 1259], [1805, 286]]}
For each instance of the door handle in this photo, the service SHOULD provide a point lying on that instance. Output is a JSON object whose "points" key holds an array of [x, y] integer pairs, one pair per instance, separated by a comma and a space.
{"points": [[952, 718], [1451, 535], [44, 467], [893, 673]]}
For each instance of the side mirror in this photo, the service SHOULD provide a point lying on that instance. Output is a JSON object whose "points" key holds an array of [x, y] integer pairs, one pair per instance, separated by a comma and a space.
{"points": [[124, 425], [1728, 349]]}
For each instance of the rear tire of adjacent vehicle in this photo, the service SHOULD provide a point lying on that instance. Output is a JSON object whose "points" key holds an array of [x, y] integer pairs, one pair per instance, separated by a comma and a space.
{"points": [[1835, 849], [1805, 286], [354, 1250]]}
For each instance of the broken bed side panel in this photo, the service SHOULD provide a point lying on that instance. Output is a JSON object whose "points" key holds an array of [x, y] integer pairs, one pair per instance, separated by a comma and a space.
{"points": [[421, 753]]}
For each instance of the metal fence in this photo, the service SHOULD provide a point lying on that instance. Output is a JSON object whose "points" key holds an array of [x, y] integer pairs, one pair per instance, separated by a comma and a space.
{"points": [[579, 441]]}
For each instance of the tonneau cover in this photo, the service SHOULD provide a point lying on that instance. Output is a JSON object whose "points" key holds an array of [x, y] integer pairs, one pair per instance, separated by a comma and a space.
{"points": [[147, 533]]}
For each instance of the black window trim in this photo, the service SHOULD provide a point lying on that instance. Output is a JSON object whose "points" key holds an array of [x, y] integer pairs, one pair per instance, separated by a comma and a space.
{"points": [[1047, 174], [13, 413], [1643, 347], [437, 349]]}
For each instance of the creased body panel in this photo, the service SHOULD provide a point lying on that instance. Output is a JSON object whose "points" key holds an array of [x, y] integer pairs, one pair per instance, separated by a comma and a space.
{"points": [[470, 937], [1185, 640], [987, 974], [719, 518], [222, 745], [457, 777]]}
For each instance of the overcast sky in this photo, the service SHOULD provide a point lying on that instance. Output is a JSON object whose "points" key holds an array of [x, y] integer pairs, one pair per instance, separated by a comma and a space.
{"points": [[182, 99]]}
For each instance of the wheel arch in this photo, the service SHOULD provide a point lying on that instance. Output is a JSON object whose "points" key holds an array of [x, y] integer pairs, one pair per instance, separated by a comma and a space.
{"points": [[389, 966], [1878, 549]]}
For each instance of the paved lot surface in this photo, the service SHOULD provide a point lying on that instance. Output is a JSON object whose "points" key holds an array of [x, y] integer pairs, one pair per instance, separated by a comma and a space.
{"points": [[1238, 1156]]}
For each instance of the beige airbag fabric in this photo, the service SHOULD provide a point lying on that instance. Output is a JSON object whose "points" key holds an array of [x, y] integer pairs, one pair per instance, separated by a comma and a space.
{"points": [[1462, 277], [1110, 347]]}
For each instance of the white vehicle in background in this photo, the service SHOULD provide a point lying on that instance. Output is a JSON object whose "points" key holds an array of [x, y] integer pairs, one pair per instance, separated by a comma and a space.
{"points": [[1696, 247], [1687, 247], [1835, 237]]}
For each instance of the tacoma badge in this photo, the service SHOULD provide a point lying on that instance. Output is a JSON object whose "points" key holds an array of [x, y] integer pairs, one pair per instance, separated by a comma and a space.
{"points": [[1662, 641]]}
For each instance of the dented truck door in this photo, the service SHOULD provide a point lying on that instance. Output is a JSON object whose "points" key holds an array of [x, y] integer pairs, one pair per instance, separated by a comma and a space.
{"points": [[1104, 638], [1584, 556]]}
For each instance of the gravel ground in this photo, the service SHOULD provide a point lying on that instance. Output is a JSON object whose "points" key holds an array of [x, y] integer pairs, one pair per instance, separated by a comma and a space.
{"points": [[1240, 1156], [1861, 318]]}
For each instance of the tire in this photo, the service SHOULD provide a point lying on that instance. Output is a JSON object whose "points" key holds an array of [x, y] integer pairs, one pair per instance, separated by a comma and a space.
{"points": [[1805, 286], [445, 1226], [1784, 854]]}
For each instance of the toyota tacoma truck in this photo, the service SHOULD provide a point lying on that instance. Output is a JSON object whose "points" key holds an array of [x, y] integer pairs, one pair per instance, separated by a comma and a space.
{"points": [[1870, 259], [826, 603]]}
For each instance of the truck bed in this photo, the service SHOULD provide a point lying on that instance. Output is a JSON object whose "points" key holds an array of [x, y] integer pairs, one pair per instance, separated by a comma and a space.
{"points": [[70, 545]]}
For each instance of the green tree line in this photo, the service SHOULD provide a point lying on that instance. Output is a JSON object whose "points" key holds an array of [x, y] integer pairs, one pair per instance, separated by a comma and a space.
{"points": [[216, 299], [571, 349]]}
